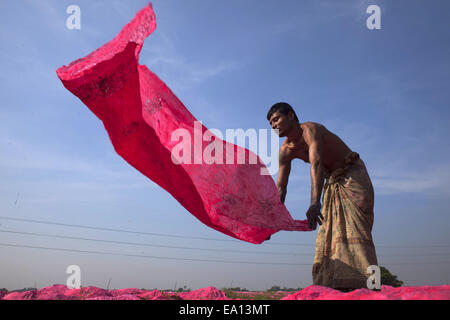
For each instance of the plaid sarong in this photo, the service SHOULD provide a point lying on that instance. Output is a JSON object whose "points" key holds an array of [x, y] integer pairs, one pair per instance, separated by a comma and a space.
{"points": [[344, 246]]}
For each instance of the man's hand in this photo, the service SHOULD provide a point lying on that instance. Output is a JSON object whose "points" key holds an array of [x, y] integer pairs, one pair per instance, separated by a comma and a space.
{"points": [[314, 216]]}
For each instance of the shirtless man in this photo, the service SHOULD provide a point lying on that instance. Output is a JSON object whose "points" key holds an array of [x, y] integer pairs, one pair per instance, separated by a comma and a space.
{"points": [[339, 238], [312, 143]]}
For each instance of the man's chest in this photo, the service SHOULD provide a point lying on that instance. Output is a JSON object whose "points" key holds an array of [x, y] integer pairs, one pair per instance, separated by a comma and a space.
{"points": [[298, 152]]}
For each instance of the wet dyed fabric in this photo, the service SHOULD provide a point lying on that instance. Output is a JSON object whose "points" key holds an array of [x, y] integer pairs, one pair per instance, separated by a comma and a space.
{"points": [[385, 293], [140, 114], [344, 246], [61, 292]]}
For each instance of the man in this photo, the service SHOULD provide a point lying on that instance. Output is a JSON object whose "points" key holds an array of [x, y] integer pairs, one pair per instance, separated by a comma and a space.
{"points": [[344, 246]]}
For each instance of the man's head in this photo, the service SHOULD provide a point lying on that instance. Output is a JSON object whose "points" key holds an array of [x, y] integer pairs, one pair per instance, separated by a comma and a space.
{"points": [[282, 117]]}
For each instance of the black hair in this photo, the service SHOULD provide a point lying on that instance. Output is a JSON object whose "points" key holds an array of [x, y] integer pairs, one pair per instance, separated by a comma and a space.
{"points": [[283, 108]]}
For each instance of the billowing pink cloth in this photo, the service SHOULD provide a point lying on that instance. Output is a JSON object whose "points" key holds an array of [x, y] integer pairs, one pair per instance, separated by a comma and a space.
{"points": [[140, 113]]}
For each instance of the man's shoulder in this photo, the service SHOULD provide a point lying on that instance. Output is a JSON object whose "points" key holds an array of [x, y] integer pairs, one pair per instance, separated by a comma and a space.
{"points": [[284, 154], [284, 147], [313, 130], [312, 125]]}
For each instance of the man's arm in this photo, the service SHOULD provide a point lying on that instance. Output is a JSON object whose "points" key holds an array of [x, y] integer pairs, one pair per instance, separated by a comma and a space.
{"points": [[284, 168], [313, 138]]}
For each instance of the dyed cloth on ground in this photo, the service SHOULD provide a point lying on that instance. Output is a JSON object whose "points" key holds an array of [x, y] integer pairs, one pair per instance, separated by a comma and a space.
{"points": [[344, 246], [386, 293], [61, 292], [140, 113]]}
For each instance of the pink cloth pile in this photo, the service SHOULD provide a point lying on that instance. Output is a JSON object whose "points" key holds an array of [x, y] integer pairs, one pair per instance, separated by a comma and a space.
{"points": [[61, 292]]}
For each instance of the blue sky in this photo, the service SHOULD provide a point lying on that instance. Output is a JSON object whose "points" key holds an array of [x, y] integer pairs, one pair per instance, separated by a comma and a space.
{"points": [[384, 92]]}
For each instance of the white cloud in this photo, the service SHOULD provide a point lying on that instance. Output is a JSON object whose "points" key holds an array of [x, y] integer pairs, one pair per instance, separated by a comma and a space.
{"points": [[429, 181], [47, 176], [20, 154], [173, 68]]}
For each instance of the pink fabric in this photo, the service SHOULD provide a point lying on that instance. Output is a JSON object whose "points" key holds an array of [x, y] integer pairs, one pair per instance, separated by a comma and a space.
{"points": [[61, 292], [386, 293], [140, 113]]}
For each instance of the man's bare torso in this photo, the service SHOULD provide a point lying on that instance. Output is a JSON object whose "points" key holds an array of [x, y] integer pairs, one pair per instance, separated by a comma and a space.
{"points": [[334, 149]]}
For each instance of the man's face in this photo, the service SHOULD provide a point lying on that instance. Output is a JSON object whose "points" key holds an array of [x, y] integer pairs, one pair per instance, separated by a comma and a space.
{"points": [[281, 122]]}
